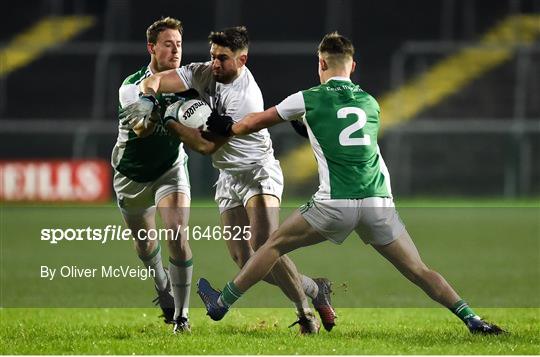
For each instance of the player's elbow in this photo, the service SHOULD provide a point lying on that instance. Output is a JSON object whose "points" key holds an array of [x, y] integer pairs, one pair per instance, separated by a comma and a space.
{"points": [[208, 151], [211, 148], [205, 148]]}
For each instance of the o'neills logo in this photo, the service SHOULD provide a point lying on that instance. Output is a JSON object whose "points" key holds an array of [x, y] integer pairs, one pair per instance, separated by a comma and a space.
{"points": [[55, 180], [191, 110]]}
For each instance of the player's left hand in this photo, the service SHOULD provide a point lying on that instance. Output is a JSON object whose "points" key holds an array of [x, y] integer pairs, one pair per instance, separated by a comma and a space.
{"points": [[220, 124], [142, 108]]}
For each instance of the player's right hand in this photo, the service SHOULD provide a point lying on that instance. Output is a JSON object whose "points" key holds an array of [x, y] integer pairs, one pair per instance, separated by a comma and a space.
{"points": [[141, 109], [220, 124]]}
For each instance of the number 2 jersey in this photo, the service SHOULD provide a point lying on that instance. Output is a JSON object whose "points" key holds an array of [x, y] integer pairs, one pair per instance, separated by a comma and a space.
{"points": [[146, 159], [342, 123]]}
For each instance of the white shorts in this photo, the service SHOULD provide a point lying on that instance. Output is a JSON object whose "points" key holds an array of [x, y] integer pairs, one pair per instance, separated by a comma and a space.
{"points": [[235, 189], [374, 219], [137, 198]]}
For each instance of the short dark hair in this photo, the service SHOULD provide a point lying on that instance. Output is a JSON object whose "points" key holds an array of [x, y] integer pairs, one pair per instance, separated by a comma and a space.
{"points": [[335, 44], [235, 38], [160, 25]]}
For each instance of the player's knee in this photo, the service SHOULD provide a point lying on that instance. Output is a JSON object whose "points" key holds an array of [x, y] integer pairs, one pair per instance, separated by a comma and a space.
{"points": [[177, 241], [145, 246], [260, 234], [258, 239], [276, 243], [174, 224]]}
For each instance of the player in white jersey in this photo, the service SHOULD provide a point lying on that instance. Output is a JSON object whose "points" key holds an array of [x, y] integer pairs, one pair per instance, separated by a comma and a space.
{"points": [[250, 184], [354, 194], [150, 170]]}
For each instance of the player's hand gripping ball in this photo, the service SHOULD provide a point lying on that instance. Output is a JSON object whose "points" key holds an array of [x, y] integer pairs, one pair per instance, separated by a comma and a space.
{"points": [[192, 113], [220, 124]]}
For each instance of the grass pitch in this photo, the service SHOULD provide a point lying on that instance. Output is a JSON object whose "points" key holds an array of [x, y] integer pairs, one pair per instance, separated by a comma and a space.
{"points": [[489, 250], [262, 331]]}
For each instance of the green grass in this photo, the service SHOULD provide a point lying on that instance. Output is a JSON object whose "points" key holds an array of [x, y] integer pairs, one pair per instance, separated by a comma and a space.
{"points": [[262, 331], [488, 249]]}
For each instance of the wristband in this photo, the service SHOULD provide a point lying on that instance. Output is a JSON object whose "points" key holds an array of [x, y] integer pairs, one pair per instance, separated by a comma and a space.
{"points": [[151, 97]]}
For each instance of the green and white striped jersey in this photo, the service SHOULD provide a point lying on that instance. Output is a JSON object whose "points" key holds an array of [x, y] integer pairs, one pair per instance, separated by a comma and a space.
{"points": [[146, 159], [342, 122]]}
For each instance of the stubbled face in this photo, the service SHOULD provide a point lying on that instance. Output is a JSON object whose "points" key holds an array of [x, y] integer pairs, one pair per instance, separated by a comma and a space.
{"points": [[167, 51], [226, 63]]}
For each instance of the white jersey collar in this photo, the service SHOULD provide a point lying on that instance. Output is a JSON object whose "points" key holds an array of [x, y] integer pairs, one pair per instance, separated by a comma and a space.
{"points": [[339, 78]]}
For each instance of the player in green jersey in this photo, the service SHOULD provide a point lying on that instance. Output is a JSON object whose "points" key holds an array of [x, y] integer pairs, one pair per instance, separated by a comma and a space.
{"points": [[151, 170], [354, 194]]}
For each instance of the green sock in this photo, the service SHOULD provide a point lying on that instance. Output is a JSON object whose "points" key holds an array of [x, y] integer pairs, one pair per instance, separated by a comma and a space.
{"points": [[463, 311], [230, 294]]}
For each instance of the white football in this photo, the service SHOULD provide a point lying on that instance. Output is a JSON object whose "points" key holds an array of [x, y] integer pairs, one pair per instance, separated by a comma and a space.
{"points": [[192, 113]]}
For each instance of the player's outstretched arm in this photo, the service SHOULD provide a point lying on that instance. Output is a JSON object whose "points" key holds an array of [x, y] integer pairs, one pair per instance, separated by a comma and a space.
{"points": [[163, 82], [256, 121]]}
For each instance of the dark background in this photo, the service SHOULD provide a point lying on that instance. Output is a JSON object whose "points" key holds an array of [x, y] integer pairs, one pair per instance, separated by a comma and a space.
{"points": [[74, 86]]}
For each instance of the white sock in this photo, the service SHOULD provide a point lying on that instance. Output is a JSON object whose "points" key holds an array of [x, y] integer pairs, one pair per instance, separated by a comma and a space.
{"points": [[221, 303], [153, 261], [181, 274], [310, 287]]}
